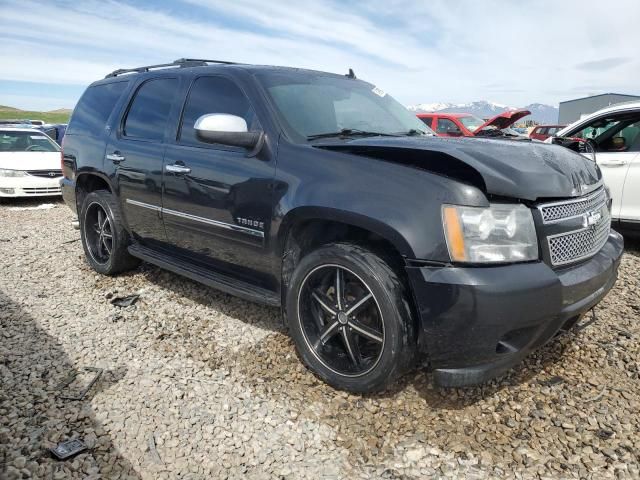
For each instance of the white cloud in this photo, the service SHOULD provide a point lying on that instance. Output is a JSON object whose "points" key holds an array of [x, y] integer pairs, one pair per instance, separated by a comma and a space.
{"points": [[511, 52]]}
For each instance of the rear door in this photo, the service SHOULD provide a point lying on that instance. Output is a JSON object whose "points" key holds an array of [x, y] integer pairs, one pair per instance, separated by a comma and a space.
{"points": [[217, 205], [136, 149]]}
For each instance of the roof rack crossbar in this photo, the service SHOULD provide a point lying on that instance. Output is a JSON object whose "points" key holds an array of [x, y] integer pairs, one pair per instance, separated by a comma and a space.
{"points": [[181, 62]]}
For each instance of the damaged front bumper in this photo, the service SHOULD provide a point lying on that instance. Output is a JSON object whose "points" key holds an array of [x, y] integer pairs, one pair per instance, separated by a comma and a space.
{"points": [[477, 322]]}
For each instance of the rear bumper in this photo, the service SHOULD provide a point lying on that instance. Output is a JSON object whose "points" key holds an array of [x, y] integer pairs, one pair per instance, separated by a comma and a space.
{"points": [[68, 188], [476, 323]]}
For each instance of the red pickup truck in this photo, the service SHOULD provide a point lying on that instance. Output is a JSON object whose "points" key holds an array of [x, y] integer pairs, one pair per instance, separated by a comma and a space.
{"points": [[468, 125]]}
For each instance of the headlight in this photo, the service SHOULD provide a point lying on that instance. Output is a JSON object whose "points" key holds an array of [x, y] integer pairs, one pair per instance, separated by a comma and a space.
{"points": [[500, 233], [12, 173]]}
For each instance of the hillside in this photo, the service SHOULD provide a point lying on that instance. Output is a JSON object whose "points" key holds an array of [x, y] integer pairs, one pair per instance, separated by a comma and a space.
{"points": [[55, 116]]}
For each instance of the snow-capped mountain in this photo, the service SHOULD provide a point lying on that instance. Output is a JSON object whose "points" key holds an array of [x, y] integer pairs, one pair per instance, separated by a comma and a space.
{"points": [[540, 113]]}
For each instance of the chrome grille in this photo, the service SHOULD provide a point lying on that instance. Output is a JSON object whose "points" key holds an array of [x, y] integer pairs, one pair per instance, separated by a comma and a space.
{"points": [[575, 245], [45, 173], [558, 211], [42, 190]]}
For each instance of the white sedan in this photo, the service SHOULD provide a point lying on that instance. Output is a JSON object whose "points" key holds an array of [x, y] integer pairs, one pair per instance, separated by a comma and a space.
{"points": [[29, 163], [614, 134]]}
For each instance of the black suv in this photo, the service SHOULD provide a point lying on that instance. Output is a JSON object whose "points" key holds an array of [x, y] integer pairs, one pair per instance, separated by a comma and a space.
{"points": [[383, 244]]}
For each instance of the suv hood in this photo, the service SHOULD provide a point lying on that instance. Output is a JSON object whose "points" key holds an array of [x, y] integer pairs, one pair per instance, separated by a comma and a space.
{"points": [[527, 171], [503, 120]]}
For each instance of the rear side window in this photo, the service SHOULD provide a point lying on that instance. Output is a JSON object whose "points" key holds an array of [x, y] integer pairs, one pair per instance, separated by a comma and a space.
{"points": [[149, 110], [92, 112], [427, 121], [214, 95]]}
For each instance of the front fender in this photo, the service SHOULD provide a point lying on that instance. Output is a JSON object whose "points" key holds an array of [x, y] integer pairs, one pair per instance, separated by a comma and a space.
{"points": [[397, 202]]}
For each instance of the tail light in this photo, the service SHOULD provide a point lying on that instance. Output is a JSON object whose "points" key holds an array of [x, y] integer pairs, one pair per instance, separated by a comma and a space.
{"points": [[62, 157]]}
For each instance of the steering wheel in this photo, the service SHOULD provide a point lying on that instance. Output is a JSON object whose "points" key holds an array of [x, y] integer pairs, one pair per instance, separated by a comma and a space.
{"points": [[592, 143]]}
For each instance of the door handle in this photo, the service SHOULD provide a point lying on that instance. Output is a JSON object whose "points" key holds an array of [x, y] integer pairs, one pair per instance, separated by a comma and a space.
{"points": [[613, 163], [115, 157], [177, 169]]}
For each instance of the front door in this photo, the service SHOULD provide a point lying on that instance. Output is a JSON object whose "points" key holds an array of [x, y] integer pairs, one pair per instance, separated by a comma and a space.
{"points": [[630, 204], [614, 166], [136, 148], [616, 138], [217, 202], [447, 128]]}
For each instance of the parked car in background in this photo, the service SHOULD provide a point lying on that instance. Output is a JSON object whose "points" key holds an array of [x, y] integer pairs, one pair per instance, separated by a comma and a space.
{"points": [[614, 134], [56, 131], [542, 132], [21, 121], [468, 125], [29, 163], [319, 193]]}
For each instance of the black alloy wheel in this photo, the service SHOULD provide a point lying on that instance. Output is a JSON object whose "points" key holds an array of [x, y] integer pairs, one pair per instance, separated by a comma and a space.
{"points": [[341, 320], [99, 233], [104, 238]]}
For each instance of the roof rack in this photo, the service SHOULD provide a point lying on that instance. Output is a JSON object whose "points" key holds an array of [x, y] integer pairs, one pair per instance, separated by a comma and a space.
{"points": [[181, 63]]}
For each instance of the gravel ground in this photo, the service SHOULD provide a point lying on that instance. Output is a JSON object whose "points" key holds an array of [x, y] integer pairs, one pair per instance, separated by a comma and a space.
{"points": [[199, 384]]}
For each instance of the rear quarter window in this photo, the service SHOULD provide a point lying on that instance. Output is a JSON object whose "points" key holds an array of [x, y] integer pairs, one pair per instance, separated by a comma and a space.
{"points": [[427, 121], [94, 108]]}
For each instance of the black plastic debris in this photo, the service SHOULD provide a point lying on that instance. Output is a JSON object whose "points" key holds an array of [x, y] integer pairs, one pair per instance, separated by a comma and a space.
{"points": [[125, 301], [550, 382], [81, 394], [604, 434], [68, 449]]}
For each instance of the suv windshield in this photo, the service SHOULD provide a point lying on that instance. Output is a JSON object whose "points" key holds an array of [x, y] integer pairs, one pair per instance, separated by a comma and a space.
{"points": [[471, 122], [317, 105], [17, 141]]}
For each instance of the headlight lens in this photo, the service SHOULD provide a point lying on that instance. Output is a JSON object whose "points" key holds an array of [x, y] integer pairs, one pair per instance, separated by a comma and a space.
{"points": [[12, 173], [500, 233]]}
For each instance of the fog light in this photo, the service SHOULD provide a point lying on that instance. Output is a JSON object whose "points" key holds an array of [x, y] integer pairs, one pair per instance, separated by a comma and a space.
{"points": [[7, 191]]}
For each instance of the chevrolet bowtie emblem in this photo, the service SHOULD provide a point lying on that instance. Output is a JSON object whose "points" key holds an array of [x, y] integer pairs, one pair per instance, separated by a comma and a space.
{"points": [[591, 218]]}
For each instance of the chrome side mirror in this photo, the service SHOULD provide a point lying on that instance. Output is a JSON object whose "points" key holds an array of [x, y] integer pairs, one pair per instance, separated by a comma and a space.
{"points": [[226, 129]]}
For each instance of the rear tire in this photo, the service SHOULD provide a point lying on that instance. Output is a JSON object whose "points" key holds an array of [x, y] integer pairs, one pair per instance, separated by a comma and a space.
{"points": [[103, 235], [350, 319]]}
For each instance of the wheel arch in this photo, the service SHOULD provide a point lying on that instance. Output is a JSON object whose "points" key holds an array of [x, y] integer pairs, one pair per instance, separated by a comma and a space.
{"points": [[332, 216], [87, 182], [307, 228]]}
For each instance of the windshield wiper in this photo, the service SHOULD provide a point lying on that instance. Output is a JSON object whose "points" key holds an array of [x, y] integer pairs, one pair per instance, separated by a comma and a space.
{"points": [[415, 132], [350, 132]]}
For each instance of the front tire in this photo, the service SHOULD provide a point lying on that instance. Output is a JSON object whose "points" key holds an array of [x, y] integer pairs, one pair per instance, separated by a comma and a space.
{"points": [[350, 319], [104, 238]]}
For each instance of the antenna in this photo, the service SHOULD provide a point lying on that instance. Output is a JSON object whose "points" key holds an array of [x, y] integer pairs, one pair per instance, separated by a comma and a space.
{"points": [[351, 74]]}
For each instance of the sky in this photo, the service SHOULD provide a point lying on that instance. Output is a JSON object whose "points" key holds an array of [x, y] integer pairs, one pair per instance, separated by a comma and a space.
{"points": [[510, 52]]}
